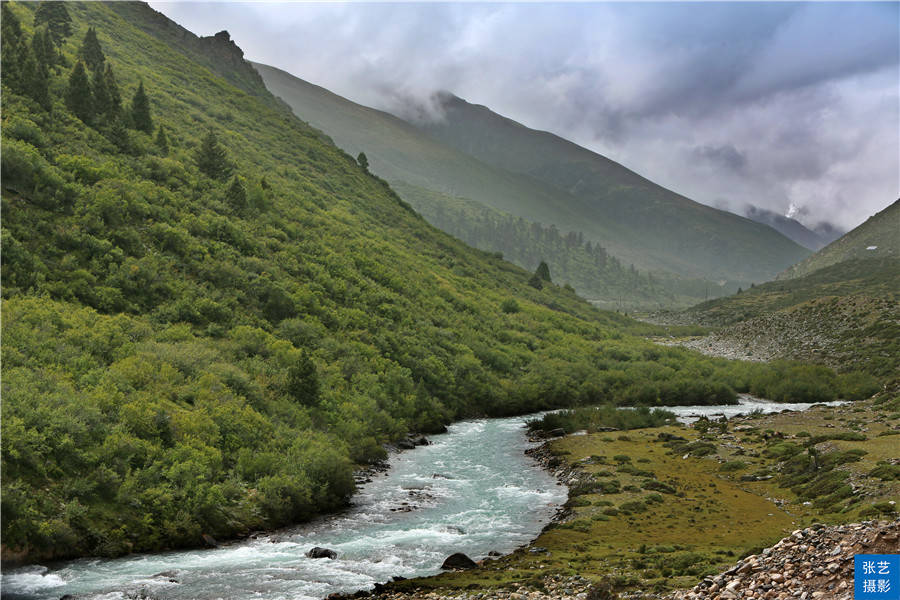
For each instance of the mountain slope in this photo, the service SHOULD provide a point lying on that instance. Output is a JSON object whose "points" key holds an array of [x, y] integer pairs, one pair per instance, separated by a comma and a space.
{"points": [[878, 237], [398, 151], [688, 237], [636, 221], [791, 228], [188, 352]]}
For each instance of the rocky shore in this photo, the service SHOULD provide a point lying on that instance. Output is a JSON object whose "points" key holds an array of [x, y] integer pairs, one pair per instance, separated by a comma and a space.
{"points": [[815, 563]]}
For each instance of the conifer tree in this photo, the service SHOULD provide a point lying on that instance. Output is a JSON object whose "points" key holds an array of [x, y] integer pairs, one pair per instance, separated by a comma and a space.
{"points": [[12, 54], [211, 158], [236, 196], [112, 88], [56, 17], [34, 81], [91, 52], [140, 111], [79, 98], [363, 161], [102, 105], [543, 271], [162, 141], [43, 49], [117, 133]]}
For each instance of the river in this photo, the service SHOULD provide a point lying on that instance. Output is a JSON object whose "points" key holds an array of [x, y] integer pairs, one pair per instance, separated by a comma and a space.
{"points": [[472, 490]]}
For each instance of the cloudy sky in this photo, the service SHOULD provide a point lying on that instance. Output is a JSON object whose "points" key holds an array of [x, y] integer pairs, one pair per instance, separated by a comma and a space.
{"points": [[791, 107]]}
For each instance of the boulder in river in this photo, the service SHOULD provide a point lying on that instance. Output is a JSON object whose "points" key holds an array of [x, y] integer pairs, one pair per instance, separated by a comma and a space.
{"points": [[420, 440], [458, 561], [321, 553], [405, 445], [210, 540]]}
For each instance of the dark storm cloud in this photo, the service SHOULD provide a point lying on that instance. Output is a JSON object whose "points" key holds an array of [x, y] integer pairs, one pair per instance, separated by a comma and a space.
{"points": [[781, 105]]}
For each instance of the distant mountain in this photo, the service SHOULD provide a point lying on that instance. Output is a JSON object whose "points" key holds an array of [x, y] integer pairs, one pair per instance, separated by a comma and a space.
{"points": [[878, 237], [478, 155], [657, 226], [813, 239]]}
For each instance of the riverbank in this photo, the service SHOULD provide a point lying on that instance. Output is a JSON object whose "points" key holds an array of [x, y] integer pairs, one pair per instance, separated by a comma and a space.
{"points": [[814, 563], [655, 511], [472, 488]]}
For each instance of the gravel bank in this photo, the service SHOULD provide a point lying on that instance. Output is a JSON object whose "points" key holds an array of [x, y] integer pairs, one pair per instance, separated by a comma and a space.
{"points": [[812, 563]]}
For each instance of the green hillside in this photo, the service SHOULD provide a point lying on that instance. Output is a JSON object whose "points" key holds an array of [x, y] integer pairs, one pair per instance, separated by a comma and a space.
{"points": [[845, 315], [654, 227], [211, 313], [427, 174], [690, 241], [589, 268], [878, 237]]}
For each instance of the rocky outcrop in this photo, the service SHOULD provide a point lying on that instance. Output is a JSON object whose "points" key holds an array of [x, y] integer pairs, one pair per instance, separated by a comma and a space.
{"points": [[815, 563]]}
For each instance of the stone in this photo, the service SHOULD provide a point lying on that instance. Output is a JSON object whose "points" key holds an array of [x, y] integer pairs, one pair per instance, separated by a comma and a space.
{"points": [[318, 552], [458, 561]]}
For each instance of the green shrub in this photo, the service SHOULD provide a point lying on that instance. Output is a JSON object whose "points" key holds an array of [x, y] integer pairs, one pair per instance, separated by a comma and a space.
{"points": [[732, 465], [886, 471], [510, 306], [658, 486], [633, 506]]}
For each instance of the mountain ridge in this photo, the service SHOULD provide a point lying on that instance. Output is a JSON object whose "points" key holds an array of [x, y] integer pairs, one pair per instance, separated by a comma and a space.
{"points": [[812, 239], [541, 199], [878, 237]]}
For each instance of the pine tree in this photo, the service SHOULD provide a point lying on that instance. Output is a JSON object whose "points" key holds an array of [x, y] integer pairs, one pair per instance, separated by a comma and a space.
{"points": [[43, 49], [78, 95], [102, 105], [117, 133], [34, 81], [543, 271], [140, 111], [236, 196], [56, 17], [12, 55], [162, 141], [211, 158], [91, 52], [363, 161], [112, 88]]}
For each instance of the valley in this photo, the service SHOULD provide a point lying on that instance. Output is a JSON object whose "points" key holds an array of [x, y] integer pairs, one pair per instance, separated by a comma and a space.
{"points": [[230, 295]]}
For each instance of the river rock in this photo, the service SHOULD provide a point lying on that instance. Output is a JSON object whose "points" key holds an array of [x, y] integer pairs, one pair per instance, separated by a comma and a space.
{"points": [[458, 561], [210, 540], [321, 553]]}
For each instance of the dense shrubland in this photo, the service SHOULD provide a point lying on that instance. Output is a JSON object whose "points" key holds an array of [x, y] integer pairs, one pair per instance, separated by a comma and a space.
{"points": [[210, 313]]}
